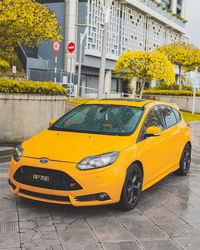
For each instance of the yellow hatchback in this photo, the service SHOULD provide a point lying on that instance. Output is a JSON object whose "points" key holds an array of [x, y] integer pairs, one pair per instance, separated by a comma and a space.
{"points": [[102, 152]]}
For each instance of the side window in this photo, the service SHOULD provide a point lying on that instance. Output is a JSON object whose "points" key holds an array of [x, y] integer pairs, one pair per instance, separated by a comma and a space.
{"points": [[177, 114], [154, 118], [169, 116]]}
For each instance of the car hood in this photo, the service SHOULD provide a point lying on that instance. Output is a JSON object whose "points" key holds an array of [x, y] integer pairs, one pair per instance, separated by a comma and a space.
{"points": [[71, 146]]}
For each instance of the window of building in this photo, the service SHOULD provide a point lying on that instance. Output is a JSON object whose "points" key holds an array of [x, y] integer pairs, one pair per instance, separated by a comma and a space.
{"points": [[166, 3], [179, 2], [179, 7]]}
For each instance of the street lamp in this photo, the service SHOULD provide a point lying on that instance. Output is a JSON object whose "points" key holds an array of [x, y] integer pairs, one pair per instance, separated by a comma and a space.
{"points": [[106, 9], [82, 37]]}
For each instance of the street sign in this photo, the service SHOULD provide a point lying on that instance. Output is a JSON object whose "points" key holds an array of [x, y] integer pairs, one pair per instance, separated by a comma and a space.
{"points": [[71, 47], [72, 55], [14, 69], [56, 46]]}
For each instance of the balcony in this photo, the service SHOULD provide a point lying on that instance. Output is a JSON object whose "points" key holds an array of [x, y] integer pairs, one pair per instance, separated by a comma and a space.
{"points": [[159, 9]]}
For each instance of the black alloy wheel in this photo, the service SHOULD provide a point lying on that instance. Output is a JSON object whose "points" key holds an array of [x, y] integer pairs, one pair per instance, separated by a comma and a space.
{"points": [[185, 161], [132, 188]]}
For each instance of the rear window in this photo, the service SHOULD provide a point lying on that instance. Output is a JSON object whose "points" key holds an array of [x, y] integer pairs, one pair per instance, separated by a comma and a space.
{"points": [[177, 114]]}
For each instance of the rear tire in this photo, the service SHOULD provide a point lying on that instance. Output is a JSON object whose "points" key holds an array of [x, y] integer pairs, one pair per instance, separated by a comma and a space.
{"points": [[132, 188], [184, 161]]}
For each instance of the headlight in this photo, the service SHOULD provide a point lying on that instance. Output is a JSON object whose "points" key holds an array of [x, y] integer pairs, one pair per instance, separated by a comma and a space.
{"points": [[17, 153], [98, 161]]}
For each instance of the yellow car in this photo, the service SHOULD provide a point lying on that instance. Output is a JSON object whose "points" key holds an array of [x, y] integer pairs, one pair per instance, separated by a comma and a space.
{"points": [[102, 152]]}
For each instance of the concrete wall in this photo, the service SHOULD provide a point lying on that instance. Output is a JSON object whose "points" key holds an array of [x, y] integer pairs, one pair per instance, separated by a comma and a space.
{"points": [[22, 116], [184, 102]]}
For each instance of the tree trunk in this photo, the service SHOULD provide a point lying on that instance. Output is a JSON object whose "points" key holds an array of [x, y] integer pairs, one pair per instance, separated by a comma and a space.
{"points": [[142, 88], [180, 75]]}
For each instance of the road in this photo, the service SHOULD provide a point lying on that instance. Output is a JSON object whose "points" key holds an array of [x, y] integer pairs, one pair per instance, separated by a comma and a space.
{"points": [[166, 218]]}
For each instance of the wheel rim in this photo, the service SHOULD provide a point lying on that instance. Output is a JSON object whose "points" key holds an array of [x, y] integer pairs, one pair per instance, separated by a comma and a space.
{"points": [[186, 158], [134, 182]]}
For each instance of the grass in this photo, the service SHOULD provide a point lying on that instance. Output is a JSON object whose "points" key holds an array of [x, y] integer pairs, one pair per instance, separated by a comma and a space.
{"points": [[77, 101], [188, 117]]}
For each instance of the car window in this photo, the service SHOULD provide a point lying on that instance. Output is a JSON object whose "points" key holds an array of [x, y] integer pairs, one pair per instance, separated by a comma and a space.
{"points": [[177, 114], [100, 119], [169, 116], [153, 118]]}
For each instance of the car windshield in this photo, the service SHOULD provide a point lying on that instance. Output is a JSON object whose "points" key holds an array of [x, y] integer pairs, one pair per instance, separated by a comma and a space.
{"points": [[100, 119]]}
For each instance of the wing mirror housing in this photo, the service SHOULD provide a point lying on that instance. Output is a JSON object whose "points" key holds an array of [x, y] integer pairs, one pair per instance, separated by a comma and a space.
{"points": [[51, 122], [153, 131]]}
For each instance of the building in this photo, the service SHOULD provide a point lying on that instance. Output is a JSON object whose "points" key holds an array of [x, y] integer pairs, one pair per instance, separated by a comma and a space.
{"points": [[134, 24]]}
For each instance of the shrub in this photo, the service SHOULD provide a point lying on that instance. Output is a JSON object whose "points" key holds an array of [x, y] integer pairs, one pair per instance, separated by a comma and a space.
{"points": [[165, 86], [171, 92], [172, 86], [30, 87]]}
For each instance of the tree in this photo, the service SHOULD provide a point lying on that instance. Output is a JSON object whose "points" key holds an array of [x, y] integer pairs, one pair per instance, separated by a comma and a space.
{"points": [[4, 65], [184, 55], [27, 22], [146, 66]]}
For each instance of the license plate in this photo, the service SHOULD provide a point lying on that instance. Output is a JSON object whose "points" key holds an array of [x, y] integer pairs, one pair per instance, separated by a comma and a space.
{"points": [[41, 178]]}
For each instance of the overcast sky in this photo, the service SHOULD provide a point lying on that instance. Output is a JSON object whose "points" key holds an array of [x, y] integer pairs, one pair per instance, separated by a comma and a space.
{"points": [[193, 17]]}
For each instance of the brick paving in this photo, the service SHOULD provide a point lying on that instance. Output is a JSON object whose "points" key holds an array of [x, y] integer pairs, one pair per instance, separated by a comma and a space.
{"points": [[166, 218]]}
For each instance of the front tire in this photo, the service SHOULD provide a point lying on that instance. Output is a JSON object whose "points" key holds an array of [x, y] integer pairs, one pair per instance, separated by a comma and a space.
{"points": [[132, 188], [184, 161]]}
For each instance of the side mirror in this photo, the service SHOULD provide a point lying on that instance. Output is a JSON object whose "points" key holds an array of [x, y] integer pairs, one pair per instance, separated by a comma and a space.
{"points": [[51, 122], [153, 131]]}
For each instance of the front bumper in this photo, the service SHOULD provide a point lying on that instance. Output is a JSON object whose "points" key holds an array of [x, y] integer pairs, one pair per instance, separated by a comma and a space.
{"points": [[108, 180]]}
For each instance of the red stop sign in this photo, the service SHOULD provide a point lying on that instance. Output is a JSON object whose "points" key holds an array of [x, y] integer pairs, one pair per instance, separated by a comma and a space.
{"points": [[71, 47]]}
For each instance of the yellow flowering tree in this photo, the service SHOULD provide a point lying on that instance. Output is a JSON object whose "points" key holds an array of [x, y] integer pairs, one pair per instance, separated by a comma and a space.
{"points": [[4, 65], [184, 55], [26, 21], [146, 66]]}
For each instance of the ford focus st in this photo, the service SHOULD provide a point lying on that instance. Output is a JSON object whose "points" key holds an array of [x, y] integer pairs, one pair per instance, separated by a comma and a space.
{"points": [[102, 152]]}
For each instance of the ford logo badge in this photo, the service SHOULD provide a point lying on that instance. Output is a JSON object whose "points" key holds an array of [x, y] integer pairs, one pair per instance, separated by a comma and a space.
{"points": [[44, 161]]}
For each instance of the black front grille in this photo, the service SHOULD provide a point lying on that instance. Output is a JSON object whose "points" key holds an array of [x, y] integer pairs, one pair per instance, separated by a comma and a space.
{"points": [[45, 178], [45, 196], [90, 197]]}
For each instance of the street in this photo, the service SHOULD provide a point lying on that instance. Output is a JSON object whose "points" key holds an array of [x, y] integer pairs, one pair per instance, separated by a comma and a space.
{"points": [[167, 217]]}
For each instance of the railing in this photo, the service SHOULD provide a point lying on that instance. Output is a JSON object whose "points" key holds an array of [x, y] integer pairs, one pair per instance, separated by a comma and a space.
{"points": [[164, 13], [72, 92]]}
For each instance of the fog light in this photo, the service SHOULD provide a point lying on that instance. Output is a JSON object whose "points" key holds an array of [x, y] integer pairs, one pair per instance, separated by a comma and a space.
{"points": [[103, 197]]}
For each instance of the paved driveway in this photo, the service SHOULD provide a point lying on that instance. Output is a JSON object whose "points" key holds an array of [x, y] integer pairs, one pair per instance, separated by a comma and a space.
{"points": [[167, 217]]}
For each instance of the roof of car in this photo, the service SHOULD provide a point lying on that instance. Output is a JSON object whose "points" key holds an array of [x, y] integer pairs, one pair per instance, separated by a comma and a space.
{"points": [[124, 101], [131, 102]]}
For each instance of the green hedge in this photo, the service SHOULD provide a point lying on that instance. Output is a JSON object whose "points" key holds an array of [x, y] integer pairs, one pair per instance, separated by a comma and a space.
{"points": [[170, 92], [30, 87]]}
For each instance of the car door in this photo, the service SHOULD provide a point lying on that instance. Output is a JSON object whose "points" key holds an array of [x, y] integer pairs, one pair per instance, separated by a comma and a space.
{"points": [[172, 136], [152, 149]]}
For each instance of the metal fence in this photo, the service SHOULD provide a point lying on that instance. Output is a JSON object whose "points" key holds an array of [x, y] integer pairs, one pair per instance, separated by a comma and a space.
{"points": [[48, 75]]}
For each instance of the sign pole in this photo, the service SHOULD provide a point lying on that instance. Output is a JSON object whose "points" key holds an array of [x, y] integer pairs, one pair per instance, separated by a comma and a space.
{"points": [[70, 79], [194, 97], [56, 47], [56, 59], [194, 94], [70, 48], [106, 10]]}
